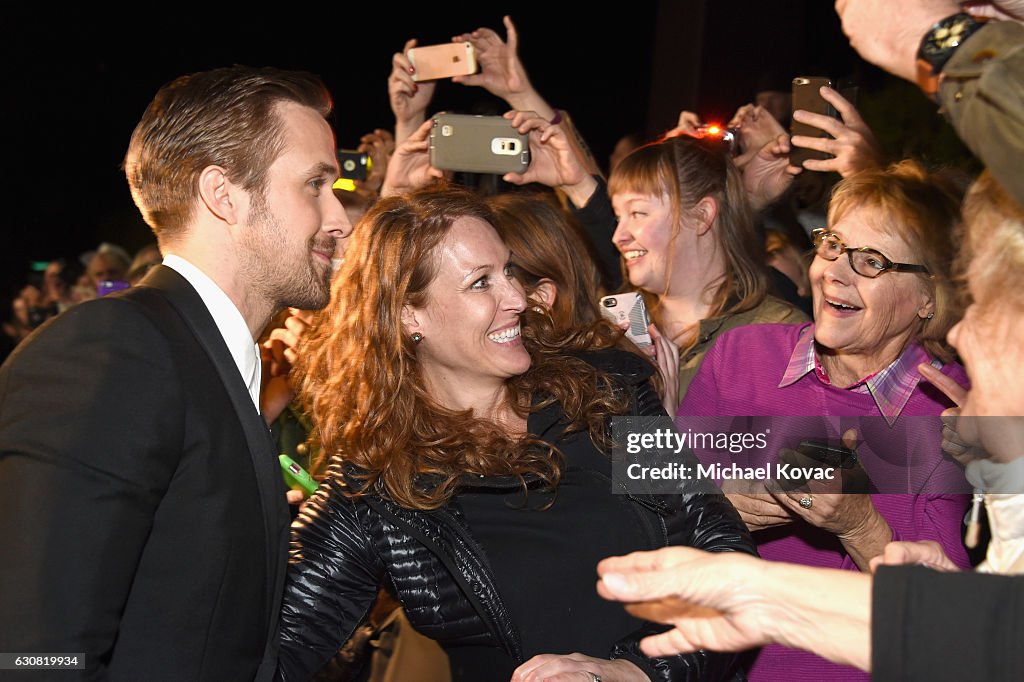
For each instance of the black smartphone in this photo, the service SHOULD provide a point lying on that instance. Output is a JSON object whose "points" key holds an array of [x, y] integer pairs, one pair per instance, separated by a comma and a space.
{"points": [[807, 96], [811, 456], [354, 165], [828, 456]]}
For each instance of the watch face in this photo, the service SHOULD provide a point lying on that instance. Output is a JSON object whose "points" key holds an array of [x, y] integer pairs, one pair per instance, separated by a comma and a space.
{"points": [[947, 35]]}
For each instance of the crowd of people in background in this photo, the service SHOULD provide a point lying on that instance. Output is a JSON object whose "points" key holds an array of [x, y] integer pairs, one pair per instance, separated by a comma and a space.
{"points": [[454, 397]]}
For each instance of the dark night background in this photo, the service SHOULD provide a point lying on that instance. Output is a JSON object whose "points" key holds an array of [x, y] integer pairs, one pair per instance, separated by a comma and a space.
{"points": [[76, 83]]}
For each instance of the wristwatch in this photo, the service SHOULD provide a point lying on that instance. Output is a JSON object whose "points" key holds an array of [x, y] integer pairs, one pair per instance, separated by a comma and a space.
{"points": [[938, 46]]}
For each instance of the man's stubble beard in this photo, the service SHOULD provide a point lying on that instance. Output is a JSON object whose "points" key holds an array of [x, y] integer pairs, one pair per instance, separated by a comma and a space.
{"points": [[277, 277]]}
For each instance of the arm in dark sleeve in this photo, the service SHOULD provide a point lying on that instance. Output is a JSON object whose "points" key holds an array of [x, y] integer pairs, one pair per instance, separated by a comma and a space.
{"points": [[90, 435], [332, 582], [928, 625], [982, 94], [598, 221]]}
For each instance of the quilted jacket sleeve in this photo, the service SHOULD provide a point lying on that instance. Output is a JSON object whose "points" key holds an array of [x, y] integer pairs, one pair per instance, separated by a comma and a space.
{"points": [[703, 519], [332, 581]]}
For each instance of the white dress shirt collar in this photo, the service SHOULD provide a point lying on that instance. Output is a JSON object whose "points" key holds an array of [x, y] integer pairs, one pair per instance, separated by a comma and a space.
{"points": [[229, 321]]}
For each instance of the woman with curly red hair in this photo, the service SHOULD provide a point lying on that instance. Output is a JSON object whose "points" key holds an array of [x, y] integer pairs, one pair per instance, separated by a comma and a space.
{"points": [[469, 476]]}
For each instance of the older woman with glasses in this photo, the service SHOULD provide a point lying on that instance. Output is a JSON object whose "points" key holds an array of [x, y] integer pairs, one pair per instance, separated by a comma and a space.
{"points": [[880, 313]]}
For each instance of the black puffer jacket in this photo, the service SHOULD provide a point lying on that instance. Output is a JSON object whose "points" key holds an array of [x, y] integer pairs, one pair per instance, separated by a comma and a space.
{"points": [[343, 549]]}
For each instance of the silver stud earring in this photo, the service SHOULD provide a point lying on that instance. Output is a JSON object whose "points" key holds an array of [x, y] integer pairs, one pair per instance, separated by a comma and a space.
{"points": [[930, 316], [417, 337]]}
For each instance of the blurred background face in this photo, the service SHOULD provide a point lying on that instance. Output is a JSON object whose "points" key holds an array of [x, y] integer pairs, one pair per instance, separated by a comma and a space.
{"points": [[871, 317], [788, 260], [470, 323], [776, 102], [988, 341], [622, 148], [105, 267]]}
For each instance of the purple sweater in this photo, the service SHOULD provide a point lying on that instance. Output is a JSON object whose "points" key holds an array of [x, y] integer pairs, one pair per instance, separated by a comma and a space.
{"points": [[741, 376]]}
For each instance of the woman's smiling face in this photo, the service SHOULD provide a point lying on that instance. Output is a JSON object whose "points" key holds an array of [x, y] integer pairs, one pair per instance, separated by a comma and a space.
{"points": [[470, 321], [872, 318]]}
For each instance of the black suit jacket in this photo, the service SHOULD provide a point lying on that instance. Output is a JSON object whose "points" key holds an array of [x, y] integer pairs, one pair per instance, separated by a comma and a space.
{"points": [[143, 519]]}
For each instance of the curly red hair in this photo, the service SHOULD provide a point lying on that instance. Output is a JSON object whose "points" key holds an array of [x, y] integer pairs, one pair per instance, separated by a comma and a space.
{"points": [[359, 376]]}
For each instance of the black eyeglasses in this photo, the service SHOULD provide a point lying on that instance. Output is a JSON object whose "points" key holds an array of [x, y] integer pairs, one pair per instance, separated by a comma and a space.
{"points": [[864, 261]]}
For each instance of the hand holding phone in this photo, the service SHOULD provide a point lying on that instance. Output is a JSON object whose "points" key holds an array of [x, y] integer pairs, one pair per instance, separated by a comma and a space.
{"points": [[297, 478], [807, 97], [842, 138]]}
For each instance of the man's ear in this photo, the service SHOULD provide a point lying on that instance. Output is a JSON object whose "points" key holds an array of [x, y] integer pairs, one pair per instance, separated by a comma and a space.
{"points": [[705, 213], [545, 292], [218, 194]]}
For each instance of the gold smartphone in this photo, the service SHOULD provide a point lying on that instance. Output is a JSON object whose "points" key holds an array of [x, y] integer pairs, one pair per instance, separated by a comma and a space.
{"points": [[442, 61]]}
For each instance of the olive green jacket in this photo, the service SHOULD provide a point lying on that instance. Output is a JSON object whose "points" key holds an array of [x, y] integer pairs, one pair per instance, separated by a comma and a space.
{"points": [[982, 95], [771, 310]]}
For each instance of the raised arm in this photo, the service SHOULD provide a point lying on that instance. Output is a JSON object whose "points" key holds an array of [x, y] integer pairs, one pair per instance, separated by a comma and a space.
{"points": [[501, 72]]}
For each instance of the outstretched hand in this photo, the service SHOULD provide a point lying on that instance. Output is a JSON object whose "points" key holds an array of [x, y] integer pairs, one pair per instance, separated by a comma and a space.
{"points": [[710, 599]]}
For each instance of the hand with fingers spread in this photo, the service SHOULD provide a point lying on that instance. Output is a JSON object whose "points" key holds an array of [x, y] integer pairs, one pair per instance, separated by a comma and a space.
{"points": [[576, 667], [553, 160], [409, 99], [852, 143], [409, 167], [960, 446], [711, 599], [732, 602], [501, 72]]}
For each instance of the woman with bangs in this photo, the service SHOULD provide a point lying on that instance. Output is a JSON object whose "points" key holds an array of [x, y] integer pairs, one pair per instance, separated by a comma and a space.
{"points": [[688, 240], [470, 477], [884, 301]]}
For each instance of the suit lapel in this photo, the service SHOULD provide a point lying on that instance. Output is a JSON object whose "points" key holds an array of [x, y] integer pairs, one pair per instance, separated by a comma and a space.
{"points": [[261, 448]]}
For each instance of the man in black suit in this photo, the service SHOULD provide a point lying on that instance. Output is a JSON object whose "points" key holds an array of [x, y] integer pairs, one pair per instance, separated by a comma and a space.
{"points": [[143, 521]]}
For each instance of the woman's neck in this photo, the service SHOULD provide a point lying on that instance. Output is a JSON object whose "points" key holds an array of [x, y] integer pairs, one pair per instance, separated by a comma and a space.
{"points": [[491, 402], [691, 289], [846, 370], [680, 315]]}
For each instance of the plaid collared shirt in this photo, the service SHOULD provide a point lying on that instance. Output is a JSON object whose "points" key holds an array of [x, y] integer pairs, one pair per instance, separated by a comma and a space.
{"points": [[891, 387]]}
